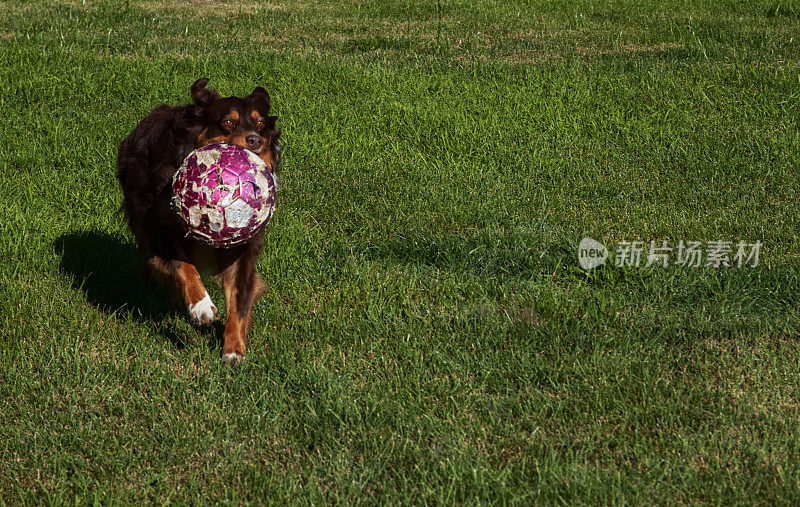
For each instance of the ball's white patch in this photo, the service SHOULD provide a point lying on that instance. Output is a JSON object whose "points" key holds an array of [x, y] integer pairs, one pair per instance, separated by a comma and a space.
{"points": [[238, 214], [256, 160], [262, 183], [232, 358], [208, 157], [228, 198], [195, 215], [216, 220], [204, 311]]}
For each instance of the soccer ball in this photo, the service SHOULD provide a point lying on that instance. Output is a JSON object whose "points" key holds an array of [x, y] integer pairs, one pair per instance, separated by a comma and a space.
{"points": [[223, 194]]}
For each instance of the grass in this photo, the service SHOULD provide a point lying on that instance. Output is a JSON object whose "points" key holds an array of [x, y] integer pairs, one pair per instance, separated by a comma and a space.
{"points": [[428, 335]]}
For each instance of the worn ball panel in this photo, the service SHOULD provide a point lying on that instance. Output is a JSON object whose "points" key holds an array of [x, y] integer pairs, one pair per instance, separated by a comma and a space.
{"points": [[223, 194]]}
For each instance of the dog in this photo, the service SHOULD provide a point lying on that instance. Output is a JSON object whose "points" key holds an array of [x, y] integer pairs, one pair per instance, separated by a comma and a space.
{"points": [[147, 160]]}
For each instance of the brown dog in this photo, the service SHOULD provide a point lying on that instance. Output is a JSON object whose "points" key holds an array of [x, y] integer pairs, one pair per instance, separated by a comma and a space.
{"points": [[150, 156]]}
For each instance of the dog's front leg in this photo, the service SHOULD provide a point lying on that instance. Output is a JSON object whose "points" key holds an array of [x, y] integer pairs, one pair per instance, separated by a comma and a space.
{"points": [[242, 287], [185, 279]]}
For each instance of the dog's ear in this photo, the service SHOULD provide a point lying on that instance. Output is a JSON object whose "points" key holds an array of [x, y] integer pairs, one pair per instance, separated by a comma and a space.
{"points": [[201, 95], [259, 95]]}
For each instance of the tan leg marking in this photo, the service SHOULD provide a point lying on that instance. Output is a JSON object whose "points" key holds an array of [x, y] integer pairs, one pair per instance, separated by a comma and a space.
{"points": [[185, 279], [238, 319]]}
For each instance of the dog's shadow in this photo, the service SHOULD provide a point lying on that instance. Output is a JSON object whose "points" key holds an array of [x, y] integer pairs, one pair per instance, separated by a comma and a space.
{"points": [[107, 269]]}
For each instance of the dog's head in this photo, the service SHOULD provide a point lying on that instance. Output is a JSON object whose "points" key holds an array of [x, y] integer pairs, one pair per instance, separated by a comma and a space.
{"points": [[243, 121]]}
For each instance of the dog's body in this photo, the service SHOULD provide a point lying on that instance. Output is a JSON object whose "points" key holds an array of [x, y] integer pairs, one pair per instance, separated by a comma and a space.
{"points": [[148, 159]]}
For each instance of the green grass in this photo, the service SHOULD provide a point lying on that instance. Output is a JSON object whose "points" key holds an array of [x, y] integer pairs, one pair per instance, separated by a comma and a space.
{"points": [[427, 335]]}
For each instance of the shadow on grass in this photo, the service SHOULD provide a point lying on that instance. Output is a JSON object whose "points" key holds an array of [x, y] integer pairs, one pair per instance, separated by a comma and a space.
{"points": [[107, 269], [485, 256]]}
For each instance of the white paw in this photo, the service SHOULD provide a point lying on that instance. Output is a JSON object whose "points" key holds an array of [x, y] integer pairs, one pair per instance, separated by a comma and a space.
{"points": [[203, 312], [232, 358]]}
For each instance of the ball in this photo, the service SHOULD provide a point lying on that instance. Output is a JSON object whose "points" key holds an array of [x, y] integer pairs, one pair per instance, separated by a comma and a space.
{"points": [[223, 194]]}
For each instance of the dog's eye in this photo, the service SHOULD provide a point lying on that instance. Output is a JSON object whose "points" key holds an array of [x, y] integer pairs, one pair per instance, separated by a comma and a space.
{"points": [[261, 123], [228, 123]]}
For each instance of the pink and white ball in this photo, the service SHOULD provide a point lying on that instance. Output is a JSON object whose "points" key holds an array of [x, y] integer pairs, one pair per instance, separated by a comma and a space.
{"points": [[224, 194]]}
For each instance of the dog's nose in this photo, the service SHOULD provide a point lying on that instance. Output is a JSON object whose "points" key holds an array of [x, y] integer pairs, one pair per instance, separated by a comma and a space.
{"points": [[254, 142]]}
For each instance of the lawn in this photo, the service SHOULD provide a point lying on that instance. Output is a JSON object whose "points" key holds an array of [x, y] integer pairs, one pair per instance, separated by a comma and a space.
{"points": [[428, 335]]}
